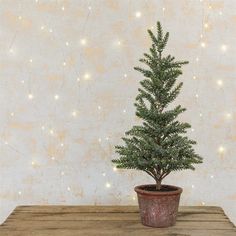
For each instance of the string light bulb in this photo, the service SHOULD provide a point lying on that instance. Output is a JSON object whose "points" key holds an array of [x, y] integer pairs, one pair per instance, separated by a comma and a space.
{"points": [[83, 42], [87, 76], [56, 96], [206, 25], [30, 96], [125, 75], [108, 185], [219, 83], [221, 149], [203, 44], [138, 14], [223, 48], [74, 113], [114, 169]]}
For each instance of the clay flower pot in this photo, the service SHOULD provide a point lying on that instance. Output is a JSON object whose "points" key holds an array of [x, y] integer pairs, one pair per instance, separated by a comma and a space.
{"points": [[158, 208]]}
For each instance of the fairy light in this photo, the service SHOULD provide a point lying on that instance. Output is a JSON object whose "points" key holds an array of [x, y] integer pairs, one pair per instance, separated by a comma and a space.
{"points": [[99, 107], [68, 189], [134, 198], [78, 79], [6, 143], [53, 158], [203, 203], [197, 59], [220, 13], [212, 176], [11, 51], [210, 7], [114, 169], [83, 42], [125, 75], [74, 113], [12, 114], [90, 8], [201, 36], [228, 116], [64, 63], [99, 140], [107, 138], [203, 44], [19, 192], [63, 8], [67, 43], [108, 185], [194, 77], [219, 83], [20, 17], [62, 144], [196, 95], [192, 129], [221, 149], [50, 30], [30, 96], [43, 127], [138, 14], [62, 173], [104, 174], [33, 163], [118, 43], [223, 48], [193, 186], [30, 60], [42, 27], [206, 25], [163, 9], [124, 111], [56, 96], [87, 76], [22, 81], [200, 114], [51, 131]]}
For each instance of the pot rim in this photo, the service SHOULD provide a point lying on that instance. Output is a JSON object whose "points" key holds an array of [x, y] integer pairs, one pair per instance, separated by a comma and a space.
{"points": [[138, 189]]}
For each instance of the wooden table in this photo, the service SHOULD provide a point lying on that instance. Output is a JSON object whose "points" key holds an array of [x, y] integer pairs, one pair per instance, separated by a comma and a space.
{"points": [[111, 220]]}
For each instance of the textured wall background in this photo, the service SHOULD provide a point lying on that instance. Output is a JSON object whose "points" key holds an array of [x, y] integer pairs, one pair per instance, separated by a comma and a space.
{"points": [[68, 87]]}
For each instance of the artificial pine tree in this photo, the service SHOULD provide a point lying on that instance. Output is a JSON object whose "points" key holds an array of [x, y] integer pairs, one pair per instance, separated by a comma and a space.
{"points": [[159, 145]]}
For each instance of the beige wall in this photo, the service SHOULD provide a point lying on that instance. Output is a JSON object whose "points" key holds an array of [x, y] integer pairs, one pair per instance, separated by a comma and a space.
{"points": [[67, 92]]}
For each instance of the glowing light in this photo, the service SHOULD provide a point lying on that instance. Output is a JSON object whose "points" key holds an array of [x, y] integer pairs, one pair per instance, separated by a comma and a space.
{"points": [[30, 96], [125, 75], [203, 203], [83, 42], [74, 113], [134, 198], [20, 17], [22, 81], [201, 36], [68, 189], [6, 143], [64, 63], [12, 114], [108, 185], [87, 76], [30, 60], [194, 77], [193, 186], [119, 43], [33, 163], [163, 9], [78, 79], [104, 174], [203, 44], [224, 48], [197, 59], [138, 14], [206, 25], [107, 138], [196, 95], [51, 131], [192, 130], [200, 114], [62, 144], [42, 27], [56, 96], [19, 192], [221, 149], [124, 111], [67, 43], [220, 13], [62, 173], [11, 51], [53, 158], [50, 30], [99, 140], [63, 8], [228, 115], [212, 176], [42, 127], [210, 7], [99, 107], [90, 8], [114, 169], [219, 83]]}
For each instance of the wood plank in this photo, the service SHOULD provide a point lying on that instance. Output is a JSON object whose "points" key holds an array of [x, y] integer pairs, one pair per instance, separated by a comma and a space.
{"points": [[111, 220]]}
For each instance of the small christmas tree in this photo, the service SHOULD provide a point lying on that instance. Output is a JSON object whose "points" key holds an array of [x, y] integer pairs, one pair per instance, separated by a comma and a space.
{"points": [[159, 145]]}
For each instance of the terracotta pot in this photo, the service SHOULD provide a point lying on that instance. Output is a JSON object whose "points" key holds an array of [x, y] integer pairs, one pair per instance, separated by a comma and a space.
{"points": [[158, 208]]}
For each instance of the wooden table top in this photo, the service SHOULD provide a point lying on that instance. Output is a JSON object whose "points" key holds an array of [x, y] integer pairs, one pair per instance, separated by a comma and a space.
{"points": [[58, 220]]}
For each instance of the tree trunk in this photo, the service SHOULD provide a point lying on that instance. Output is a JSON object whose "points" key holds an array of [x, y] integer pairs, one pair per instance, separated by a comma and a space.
{"points": [[158, 184]]}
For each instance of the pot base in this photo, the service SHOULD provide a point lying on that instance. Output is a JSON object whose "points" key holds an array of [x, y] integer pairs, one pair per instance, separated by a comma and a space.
{"points": [[158, 208]]}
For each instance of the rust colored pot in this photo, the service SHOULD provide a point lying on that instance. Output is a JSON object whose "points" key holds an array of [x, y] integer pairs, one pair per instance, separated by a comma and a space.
{"points": [[158, 208]]}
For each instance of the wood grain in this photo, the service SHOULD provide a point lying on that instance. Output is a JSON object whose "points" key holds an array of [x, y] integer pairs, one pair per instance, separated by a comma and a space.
{"points": [[111, 220]]}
